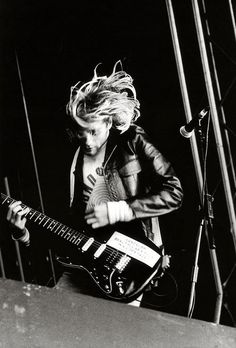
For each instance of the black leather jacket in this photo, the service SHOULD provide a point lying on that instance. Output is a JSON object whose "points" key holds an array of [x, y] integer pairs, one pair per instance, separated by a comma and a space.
{"points": [[137, 172]]}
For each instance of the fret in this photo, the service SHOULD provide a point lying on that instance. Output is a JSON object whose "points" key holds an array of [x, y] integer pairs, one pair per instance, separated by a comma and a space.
{"points": [[50, 227], [73, 237], [8, 200], [63, 231], [4, 200], [68, 235], [45, 223], [34, 212], [58, 227], [37, 217], [41, 219], [78, 239]]}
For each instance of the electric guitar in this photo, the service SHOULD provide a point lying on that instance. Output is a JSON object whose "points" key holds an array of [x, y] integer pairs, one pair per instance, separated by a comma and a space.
{"points": [[121, 267]]}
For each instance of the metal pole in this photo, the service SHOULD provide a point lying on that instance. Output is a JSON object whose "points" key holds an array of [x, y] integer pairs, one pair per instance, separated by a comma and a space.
{"points": [[220, 98], [2, 265], [221, 155], [215, 121], [34, 161], [30, 135], [193, 143], [184, 92], [195, 270], [232, 18]]}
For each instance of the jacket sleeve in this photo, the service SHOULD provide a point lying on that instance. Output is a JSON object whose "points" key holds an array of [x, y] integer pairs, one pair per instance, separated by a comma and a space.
{"points": [[163, 192]]}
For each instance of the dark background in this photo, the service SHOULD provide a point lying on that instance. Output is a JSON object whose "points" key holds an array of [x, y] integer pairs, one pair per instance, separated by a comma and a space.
{"points": [[58, 44]]}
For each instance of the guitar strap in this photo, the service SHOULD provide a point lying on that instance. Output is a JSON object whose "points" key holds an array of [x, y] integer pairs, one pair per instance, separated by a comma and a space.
{"points": [[77, 204]]}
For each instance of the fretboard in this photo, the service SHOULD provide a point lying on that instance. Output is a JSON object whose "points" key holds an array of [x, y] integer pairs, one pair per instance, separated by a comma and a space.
{"points": [[63, 231]]}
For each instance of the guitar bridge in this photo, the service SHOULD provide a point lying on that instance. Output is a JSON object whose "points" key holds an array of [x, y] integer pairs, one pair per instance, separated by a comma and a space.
{"points": [[122, 263]]}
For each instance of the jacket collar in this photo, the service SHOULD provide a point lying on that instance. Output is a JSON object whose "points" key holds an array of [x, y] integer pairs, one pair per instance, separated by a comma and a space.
{"points": [[112, 142]]}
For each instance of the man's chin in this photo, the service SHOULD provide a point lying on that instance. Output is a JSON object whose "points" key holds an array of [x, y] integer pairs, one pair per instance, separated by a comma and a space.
{"points": [[90, 152]]}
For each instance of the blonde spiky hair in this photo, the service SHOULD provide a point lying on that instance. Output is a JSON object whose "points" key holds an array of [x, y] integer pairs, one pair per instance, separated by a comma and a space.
{"points": [[105, 97]]}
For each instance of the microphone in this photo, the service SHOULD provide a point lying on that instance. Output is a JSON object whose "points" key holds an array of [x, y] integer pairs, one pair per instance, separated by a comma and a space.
{"points": [[187, 130]]}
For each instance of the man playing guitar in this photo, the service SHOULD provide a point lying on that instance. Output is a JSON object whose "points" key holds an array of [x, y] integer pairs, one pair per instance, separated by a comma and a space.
{"points": [[118, 177]]}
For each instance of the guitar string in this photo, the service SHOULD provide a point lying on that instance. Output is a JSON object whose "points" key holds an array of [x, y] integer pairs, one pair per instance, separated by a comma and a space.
{"points": [[74, 233], [108, 250]]}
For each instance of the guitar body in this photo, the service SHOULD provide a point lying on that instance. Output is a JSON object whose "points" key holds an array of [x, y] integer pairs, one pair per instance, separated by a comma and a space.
{"points": [[116, 274], [121, 267]]}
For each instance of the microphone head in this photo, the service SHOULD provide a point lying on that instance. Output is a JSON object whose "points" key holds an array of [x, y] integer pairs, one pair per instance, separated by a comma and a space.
{"points": [[203, 112], [184, 133], [187, 130]]}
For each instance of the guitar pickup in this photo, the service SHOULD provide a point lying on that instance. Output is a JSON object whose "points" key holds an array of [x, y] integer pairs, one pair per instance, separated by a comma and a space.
{"points": [[87, 244], [99, 251]]}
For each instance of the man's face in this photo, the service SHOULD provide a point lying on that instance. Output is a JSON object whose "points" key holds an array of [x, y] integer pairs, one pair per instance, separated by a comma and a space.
{"points": [[93, 136]]}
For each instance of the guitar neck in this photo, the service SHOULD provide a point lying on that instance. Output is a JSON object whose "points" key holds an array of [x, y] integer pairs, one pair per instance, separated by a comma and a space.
{"points": [[63, 231]]}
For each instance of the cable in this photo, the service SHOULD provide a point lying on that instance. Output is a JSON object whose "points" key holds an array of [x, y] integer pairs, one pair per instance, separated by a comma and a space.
{"points": [[158, 295]]}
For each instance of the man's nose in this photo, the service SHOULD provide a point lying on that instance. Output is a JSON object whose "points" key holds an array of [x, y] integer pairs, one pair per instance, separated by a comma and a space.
{"points": [[88, 139]]}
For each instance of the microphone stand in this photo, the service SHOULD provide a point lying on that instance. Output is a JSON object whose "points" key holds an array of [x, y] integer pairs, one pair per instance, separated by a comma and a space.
{"points": [[206, 226]]}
